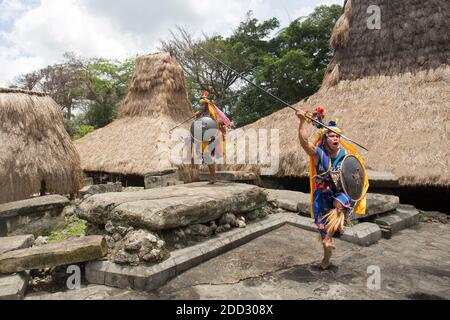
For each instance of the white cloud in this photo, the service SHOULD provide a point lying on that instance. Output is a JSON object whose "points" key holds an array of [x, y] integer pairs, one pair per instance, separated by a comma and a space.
{"points": [[34, 34]]}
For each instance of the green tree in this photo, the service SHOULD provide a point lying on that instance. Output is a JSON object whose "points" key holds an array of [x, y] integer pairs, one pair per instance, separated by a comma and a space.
{"points": [[107, 83], [242, 51], [292, 69]]}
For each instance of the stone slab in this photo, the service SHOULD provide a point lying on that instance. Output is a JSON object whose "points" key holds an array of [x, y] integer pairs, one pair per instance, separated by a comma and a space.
{"points": [[379, 204], [363, 234], [172, 207], [56, 254], [31, 215], [293, 201], [101, 188], [401, 218], [161, 180], [16, 242], [242, 176], [11, 209], [13, 287]]}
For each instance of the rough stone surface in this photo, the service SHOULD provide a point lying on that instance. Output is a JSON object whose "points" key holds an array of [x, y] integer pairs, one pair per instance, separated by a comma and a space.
{"points": [[160, 179], [380, 179], [242, 176], [31, 215], [13, 287], [380, 203], [363, 234], [91, 292], [172, 207], [403, 217], [55, 254], [139, 246], [434, 216], [40, 241], [414, 266], [300, 202], [290, 200], [16, 242], [228, 218], [101, 188]]}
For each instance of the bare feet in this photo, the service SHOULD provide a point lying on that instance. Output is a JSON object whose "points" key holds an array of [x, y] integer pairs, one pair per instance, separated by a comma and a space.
{"points": [[328, 243], [212, 181], [325, 264]]}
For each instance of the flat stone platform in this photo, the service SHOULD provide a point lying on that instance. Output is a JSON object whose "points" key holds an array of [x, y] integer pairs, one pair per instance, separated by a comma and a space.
{"points": [[172, 207]]}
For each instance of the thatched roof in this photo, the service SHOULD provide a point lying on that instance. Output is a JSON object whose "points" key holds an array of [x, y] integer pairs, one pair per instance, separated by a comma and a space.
{"points": [[34, 146], [138, 142], [400, 113]]}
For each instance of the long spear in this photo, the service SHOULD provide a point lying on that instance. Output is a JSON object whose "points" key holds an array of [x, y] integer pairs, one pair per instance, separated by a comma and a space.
{"points": [[182, 123], [276, 98]]}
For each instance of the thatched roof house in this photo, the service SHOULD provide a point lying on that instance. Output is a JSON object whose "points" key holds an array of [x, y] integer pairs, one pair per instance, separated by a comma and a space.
{"points": [[34, 147], [138, 141], [390, 87]]}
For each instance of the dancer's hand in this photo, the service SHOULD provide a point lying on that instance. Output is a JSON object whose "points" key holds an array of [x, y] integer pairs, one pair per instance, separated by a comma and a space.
{"points": [[301, 115]]}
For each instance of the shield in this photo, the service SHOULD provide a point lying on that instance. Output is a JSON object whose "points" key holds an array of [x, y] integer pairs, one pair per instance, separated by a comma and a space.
{"points": [[204, 129], [352, 177]]}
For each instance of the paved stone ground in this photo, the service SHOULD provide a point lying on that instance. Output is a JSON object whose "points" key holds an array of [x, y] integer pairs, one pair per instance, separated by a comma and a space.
{"points": [[414, 264]]}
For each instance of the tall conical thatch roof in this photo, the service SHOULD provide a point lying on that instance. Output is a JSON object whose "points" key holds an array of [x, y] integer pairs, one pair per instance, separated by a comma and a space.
{"points": [[390, 87], [34, 147], [138, 141]]}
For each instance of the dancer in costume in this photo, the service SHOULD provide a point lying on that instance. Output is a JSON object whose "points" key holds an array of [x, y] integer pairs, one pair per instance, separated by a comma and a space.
{"points": [[216, 148], [330, 208]]}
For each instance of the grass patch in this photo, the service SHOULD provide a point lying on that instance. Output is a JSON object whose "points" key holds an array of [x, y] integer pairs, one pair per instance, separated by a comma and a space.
{"points": [[73, 227]]}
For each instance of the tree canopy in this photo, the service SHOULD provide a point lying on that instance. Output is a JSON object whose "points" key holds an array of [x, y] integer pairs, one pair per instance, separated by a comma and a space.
{"points": [[288, 62]]}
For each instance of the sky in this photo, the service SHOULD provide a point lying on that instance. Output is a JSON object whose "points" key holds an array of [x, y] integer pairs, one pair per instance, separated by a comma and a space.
{"points": [[36, 33]]}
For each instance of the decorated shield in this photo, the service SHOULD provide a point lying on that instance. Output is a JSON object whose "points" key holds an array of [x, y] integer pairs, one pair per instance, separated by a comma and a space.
{"points": [[204, 129], [352, 177]]}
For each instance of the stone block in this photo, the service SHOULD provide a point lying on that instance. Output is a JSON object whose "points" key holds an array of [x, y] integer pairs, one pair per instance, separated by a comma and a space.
{"points": [[13, 287]]}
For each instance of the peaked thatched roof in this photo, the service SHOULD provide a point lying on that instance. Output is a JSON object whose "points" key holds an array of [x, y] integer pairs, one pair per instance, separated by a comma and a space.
{"points": [[390, 87], [34, 146], [138, 142]]}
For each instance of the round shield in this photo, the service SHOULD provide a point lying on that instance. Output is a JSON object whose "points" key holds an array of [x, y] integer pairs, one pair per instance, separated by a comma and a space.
{"points": [[204, 129], [352, 177]]}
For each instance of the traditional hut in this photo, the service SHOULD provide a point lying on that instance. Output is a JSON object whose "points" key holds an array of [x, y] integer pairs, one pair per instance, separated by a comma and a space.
{"points": [[138, 143], [389, 86], [36, 153]]}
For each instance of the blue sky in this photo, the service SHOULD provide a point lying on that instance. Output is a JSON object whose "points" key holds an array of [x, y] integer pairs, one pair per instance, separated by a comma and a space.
{"points": [[35, 33]]}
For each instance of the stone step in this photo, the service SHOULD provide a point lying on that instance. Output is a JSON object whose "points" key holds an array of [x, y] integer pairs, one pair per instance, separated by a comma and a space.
{"points": [[172, 207], [16, 242], [402, 218], [235, 176], [56, 254], [31, 215], [13, 287]]}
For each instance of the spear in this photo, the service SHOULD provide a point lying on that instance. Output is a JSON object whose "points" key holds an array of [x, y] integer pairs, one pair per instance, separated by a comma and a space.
{"points": [[275, 97], [182, 123]]}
